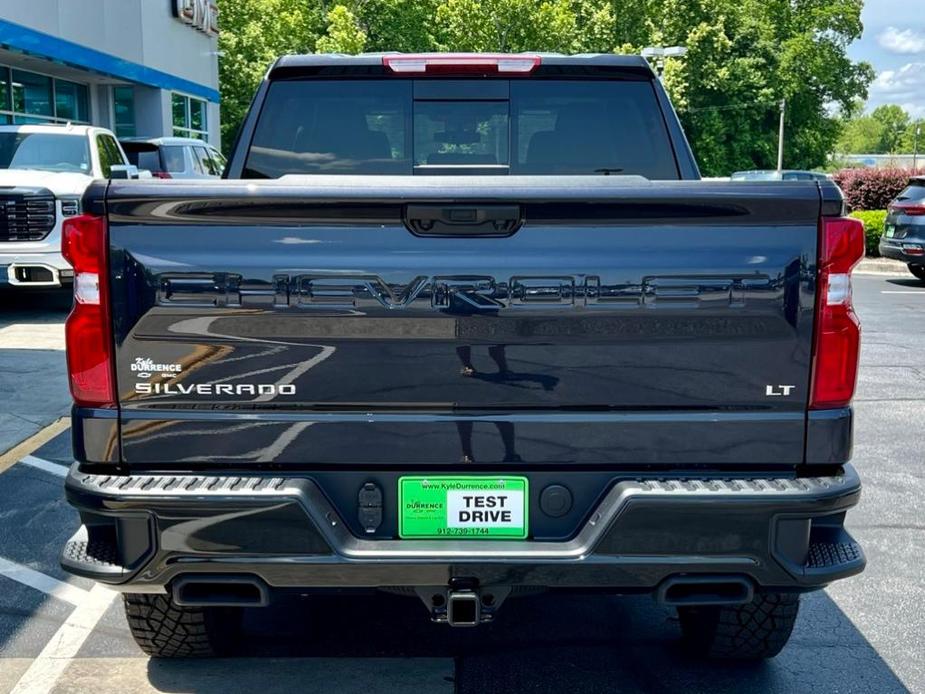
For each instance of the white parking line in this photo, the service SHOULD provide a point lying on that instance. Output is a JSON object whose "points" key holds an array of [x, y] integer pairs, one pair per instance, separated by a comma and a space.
{"points": [[33, 443], [46, 465], [42, 582], [904, 291], [45, 670]]}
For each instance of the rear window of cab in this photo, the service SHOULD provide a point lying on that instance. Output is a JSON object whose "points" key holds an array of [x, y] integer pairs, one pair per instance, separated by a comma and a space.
{"points": [[545, 127]]}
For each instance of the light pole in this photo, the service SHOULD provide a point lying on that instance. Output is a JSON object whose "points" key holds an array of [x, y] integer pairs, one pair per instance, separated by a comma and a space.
{"points": [[780, 137], [660, 53], [915, 149]]}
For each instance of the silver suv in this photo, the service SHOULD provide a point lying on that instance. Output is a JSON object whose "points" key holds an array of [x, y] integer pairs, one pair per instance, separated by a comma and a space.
{"points": [[174, 157]]}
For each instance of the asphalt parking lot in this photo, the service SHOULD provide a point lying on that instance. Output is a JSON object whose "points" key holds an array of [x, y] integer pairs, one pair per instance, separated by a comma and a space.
{"points": [[62, 634]]}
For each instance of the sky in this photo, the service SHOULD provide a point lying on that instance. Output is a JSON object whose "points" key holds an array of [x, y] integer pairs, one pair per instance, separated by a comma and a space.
{"points": [[894, 43]]}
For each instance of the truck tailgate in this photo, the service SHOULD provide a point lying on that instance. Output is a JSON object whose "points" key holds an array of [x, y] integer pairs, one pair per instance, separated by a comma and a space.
{"points": [[619, 322]]}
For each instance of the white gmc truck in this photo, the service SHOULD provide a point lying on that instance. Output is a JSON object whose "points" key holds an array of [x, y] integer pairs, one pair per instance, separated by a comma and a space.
{"points": [[44, 171]]}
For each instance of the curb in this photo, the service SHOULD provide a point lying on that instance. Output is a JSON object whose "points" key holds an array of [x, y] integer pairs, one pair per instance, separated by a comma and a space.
{"points": [[881, 266], [882, 273]]}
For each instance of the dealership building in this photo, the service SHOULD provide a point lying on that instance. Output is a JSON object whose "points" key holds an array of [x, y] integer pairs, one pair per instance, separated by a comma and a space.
{"points": [[144, 68]]}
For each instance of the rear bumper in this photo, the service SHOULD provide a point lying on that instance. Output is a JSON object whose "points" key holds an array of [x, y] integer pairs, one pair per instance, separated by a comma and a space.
{"points": [[141, 532], [909, 250]]}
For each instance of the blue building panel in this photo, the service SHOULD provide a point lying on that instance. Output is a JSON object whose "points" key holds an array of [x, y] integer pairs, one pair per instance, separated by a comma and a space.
{"points": [[51, 47]]}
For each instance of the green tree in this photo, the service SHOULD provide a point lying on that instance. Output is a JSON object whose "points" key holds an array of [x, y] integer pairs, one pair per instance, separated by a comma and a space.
{"points": [[893, 121], [254, 33], [398, 25], [505, 25], [744, 56], [889, 129], [343, 34], [909, 137], [861, 135]]}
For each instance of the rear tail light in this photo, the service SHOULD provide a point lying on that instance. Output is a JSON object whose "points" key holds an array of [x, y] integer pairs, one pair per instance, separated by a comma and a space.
{"points": [[910, 208], [161, 174], [838, 332], [87, 331], [461, 63]]}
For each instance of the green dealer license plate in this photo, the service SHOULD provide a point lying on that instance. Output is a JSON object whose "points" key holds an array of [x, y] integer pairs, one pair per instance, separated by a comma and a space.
{"points": [[455, 507]]}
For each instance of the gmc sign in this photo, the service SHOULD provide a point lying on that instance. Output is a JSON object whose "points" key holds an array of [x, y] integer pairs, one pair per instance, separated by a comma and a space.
{"points": [[199, 14]]}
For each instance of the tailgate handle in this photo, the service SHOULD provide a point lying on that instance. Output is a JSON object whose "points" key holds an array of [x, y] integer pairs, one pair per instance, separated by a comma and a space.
{"points": [[463, 220]]}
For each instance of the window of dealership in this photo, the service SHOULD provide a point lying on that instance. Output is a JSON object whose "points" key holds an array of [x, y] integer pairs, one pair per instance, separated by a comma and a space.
{"points": [[140, 68], [123, 106], [30, 97], [190, 117]]}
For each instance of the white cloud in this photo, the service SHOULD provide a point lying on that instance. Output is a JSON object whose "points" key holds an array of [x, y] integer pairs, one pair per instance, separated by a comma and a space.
{"points": [[905, 86], [904, 41]]}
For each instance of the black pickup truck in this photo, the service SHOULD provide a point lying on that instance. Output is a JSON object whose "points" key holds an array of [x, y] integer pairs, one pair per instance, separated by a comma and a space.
{"points": [[463, 327]]}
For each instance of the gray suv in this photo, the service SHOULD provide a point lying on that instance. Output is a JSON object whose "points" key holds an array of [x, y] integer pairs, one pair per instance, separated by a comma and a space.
{"points": [[904, 232], [175, 157]]}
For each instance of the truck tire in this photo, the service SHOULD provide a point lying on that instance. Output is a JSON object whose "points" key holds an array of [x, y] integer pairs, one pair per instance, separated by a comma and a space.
{"points": [[918, 271], [753, 631], [164, 629]]}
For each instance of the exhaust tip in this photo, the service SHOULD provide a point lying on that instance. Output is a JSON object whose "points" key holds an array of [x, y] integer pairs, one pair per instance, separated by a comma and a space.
{"points": [[220, 591], [705, 590]]}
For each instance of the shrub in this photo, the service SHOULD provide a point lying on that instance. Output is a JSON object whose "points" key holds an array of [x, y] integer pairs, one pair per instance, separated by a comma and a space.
{"points": [[874, 221], [871, 189]]}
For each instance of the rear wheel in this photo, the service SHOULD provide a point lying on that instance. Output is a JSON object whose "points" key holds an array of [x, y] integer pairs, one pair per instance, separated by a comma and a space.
{"points": [[756, 630], [166, 630], [918, 271]]}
